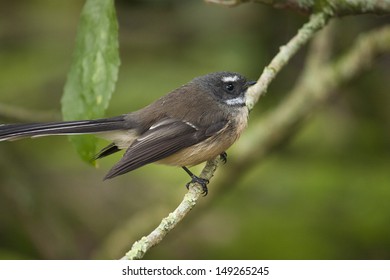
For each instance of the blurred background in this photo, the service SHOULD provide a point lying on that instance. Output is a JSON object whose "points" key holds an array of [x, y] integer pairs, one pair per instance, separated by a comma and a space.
{"points": [[323, 195]]}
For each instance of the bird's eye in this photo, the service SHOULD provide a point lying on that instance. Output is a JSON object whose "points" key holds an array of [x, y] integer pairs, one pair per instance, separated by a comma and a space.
{"points": [[229, 87]]}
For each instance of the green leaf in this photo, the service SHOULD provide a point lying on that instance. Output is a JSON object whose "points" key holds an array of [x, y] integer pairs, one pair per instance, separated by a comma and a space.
{"points": [[94, 70]]}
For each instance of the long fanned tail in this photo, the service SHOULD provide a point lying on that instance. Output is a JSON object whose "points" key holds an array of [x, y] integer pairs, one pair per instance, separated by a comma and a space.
{"points": [[17, 131]]}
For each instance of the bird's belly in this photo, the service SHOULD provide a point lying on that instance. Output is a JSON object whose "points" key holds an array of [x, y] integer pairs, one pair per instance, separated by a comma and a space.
{"points": [[196, 154]]}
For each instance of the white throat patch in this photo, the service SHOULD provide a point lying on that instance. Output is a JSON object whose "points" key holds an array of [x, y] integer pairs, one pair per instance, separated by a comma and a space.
{"points": [[234, 78], [236, 101]]}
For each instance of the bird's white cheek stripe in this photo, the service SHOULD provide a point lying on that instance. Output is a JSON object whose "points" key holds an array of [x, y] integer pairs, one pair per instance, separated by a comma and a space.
{"points": [[235, 101]]}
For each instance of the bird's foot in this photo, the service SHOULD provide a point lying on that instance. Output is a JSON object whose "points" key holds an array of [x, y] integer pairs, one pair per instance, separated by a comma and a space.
{"points": [[196, 179], [200, 181]]}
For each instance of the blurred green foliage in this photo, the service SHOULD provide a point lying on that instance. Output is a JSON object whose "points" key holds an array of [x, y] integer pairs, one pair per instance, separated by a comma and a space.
{"points": [[94, 70], [324, 195]]}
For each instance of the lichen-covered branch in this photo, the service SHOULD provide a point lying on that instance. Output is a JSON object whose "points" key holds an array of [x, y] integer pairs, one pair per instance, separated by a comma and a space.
{"points": [[332, 7], [313, 89], [316, 22], [141, 246]]}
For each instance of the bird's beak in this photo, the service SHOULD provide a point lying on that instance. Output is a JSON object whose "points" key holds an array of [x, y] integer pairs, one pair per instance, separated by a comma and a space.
{"points": [[250, 83]]}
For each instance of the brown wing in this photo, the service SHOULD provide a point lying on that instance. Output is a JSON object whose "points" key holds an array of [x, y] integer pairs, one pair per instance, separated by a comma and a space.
{"points": [[162, 140]]}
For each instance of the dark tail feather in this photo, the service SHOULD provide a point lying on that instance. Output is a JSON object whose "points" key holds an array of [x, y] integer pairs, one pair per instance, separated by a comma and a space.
{"points": [[109, 150], [16, 131]]}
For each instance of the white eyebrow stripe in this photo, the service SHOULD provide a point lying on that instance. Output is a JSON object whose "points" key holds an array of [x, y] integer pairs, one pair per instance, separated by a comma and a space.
{"points": [[234, 78], [236, 101]]}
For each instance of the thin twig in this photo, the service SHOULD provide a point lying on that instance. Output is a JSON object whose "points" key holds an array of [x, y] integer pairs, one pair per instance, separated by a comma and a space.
{"points": [[141, 246], [311, 91], [316, 22]]}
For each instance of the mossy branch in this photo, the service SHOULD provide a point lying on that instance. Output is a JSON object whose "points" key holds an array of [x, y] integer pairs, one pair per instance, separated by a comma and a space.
{"points": [[141, 246], [318, 83], [286, 52]]}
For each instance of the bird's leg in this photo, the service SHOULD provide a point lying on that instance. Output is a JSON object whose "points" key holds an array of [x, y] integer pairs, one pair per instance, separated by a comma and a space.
{"points": [[223, 157], [196, 179]]}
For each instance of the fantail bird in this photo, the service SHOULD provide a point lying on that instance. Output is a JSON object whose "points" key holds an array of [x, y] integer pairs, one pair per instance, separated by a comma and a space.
{"points": [[192, 124]]}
